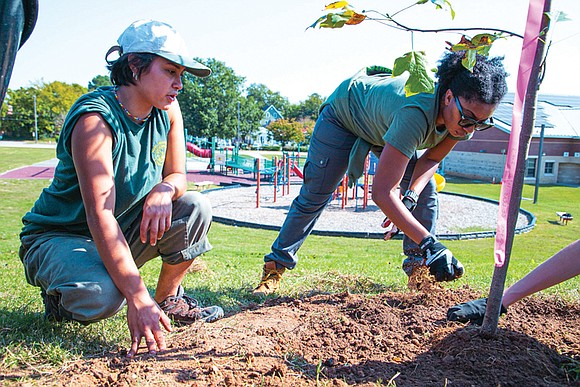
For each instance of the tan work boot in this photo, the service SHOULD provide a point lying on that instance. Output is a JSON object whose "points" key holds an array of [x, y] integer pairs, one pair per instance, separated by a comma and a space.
{"points": [[271, 277]]}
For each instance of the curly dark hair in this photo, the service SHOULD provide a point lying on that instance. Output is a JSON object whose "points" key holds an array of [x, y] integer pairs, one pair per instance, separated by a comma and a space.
{"points": [[486, 84], [121, 73]]}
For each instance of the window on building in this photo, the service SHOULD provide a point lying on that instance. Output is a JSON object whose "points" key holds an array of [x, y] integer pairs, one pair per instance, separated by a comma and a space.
{"points": [[549, 168], [531, 167]]}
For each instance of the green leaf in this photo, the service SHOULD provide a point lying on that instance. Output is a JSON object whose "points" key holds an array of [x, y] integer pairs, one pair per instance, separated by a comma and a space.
{"points": [[339, 19], [469, 60], [479, 44], [557, 16], [443, 4], [334, 20], [419, 80], [320, 19], [451, 10]]}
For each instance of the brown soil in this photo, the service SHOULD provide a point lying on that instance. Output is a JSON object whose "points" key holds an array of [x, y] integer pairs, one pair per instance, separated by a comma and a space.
{"points": [[352, 339]]}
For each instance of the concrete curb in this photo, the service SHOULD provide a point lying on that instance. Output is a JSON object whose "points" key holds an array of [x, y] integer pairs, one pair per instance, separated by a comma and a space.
{"points": [[368, 235]]}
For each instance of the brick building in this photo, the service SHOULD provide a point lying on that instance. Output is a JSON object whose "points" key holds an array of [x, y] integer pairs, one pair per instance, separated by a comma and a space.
{"points": [[483, 157]]}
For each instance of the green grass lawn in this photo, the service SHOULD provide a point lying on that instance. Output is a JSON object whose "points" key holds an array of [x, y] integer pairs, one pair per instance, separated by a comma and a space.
{"points": [[327, 264]]}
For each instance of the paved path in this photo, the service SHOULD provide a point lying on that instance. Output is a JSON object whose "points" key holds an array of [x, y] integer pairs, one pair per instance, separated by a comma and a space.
{"points": [[25, 144]]}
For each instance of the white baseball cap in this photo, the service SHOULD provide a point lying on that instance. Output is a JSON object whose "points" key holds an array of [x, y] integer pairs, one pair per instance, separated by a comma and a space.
{"points": [[155, 37]]}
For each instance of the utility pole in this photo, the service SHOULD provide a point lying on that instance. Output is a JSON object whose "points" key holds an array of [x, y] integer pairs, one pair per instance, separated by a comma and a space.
{"points": [[35, 121], [539, 167]]}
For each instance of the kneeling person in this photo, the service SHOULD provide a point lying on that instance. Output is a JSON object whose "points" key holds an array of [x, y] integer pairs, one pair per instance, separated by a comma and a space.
{"points": [[118, 198]]}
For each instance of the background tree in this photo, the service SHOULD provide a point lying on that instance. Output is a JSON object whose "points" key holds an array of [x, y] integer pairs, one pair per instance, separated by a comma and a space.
{"points": [[98, 81], [53, 101], [264, 97], [285, 131], [209, 105], [307, 109], [307, 127], [250, 117]]}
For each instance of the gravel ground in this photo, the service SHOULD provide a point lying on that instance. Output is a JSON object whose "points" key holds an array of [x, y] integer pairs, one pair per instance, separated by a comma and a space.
{"points": [[458, 215]]}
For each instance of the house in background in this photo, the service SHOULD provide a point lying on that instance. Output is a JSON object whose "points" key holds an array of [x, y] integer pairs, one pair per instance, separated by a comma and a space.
{"points": [[262, 136], [483, 157]]}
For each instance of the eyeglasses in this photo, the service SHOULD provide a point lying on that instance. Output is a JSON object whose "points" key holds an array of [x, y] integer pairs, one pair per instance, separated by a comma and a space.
{"points": [[466, 122]]}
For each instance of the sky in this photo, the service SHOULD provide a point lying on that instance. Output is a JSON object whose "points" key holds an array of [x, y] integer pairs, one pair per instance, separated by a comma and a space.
{"points": [[267, 41]]}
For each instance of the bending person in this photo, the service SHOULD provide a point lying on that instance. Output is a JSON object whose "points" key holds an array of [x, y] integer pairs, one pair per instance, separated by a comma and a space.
{"points": [[562, 266], [370, 111], [119, 200]]}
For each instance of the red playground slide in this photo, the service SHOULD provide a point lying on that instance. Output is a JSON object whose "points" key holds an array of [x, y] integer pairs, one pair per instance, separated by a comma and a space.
{"points": [[199, 152], [297, 171]]}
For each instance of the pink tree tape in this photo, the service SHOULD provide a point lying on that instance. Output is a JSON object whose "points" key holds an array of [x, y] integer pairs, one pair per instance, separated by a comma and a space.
{"points": [[533, 26]]}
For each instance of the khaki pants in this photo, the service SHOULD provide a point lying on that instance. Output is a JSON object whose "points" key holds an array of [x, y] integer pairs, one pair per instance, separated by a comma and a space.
{"points": [[69, 266]]}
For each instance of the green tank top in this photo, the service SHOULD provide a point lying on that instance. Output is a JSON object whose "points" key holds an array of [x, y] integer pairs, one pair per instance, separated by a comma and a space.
{"points": [[138, 158], [373, 106]]}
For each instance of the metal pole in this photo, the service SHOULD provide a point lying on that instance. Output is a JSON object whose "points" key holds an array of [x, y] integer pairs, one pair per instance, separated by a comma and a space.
{"points": [[238, 130], [539, 165], [275, 177], [35, 121], [258, 183]]}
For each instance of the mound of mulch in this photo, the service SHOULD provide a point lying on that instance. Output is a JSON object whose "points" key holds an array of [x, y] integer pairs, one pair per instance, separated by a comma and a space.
{"points": [[353, 339]]}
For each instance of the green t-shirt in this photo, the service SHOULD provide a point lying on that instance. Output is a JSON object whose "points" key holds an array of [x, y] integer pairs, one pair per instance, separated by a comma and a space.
{"points": [[375, 109], [138, 158]]}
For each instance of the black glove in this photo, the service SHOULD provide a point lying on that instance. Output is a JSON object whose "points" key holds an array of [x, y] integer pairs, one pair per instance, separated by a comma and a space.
{"points": [[471, 311], [441, 262]]}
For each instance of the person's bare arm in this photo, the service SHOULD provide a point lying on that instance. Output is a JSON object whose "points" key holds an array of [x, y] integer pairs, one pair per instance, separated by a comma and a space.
{"points": [[92, 144], [390, 170], [428, 163], [562, 266], [157, 208]]}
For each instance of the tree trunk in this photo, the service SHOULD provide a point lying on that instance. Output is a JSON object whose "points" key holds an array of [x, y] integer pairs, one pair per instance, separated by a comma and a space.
{"points": [[492, 312]]}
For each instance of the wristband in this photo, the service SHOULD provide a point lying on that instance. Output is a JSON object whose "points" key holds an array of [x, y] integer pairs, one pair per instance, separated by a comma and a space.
{"points": [[427, 242], [411, 195], [410, 204], [410, 200]]}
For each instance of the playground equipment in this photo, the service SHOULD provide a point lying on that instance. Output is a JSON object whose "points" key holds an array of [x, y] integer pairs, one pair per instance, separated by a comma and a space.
{"points": [[366, 184], [199, 152], [439, 182], [279, 172], [227, 159], [294, 168]]}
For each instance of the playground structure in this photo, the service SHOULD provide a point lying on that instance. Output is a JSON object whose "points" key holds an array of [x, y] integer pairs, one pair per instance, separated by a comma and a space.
{"points": [[227, 159], [280, 172], [197, 151], [289, 166], [365, 182]]}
